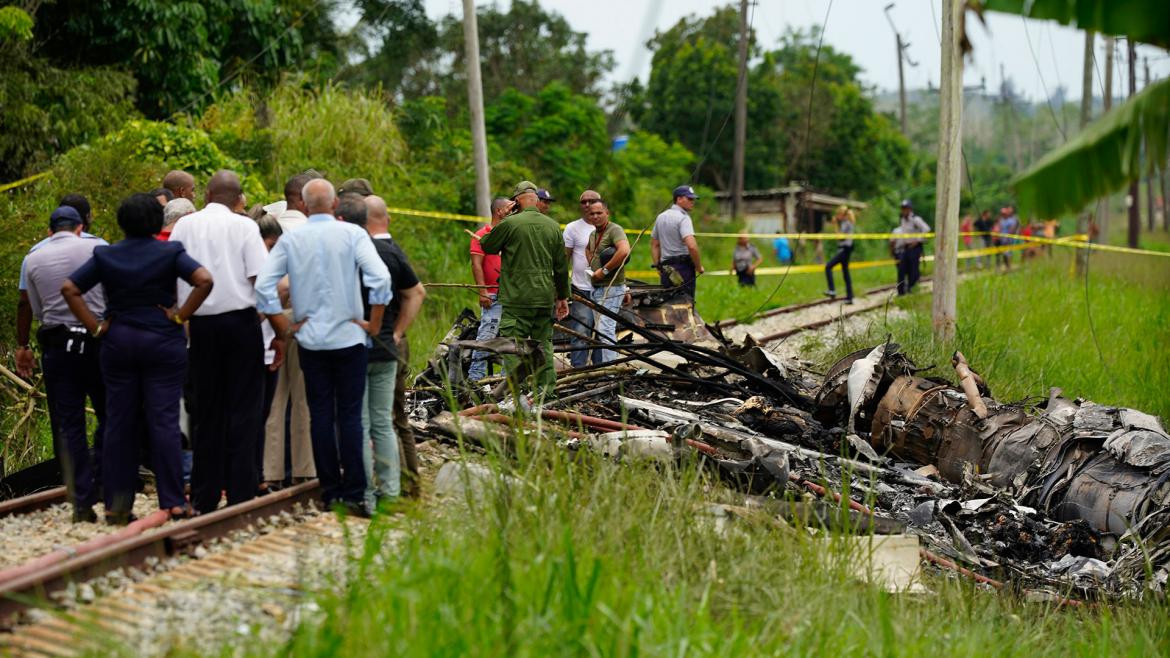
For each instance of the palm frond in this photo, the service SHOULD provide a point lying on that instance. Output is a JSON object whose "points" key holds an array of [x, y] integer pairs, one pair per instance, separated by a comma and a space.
{"points": [[1147, 21], [1101, 159]]}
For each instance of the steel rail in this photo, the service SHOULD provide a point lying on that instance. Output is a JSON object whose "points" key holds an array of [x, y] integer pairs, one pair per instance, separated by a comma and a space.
{"points": [[32, 589]]}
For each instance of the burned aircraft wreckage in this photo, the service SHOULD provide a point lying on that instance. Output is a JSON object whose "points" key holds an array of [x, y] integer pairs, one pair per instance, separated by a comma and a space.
{"points": [[1057, 496]]}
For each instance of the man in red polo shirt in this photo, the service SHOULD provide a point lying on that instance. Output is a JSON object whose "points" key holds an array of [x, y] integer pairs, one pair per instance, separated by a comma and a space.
{"points": [[485, 268]]}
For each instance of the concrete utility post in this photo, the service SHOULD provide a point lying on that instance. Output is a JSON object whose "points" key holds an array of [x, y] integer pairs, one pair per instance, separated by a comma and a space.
{"points": [[740, 115], [946, 223], [1107, 104], [1151, 177], [1135, 218], [901, 77], [483, 187], [1086, 218]]}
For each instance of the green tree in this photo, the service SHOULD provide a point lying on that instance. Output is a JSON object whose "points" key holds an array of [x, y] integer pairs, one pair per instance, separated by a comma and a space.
{"points": [[45, 109], [809, 118], [558, 134], [181, 51]]}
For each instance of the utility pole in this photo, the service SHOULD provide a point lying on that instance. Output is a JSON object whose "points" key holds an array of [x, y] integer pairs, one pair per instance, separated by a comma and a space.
{"points": [[1135, 219], [740, 115], [483, 187], [901, 76], [946, 223], [1149, 176], [1110, 47], [1085, 220]]}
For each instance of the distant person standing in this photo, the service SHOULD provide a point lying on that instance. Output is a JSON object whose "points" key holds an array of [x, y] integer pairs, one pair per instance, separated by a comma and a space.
{"points": [[673, 248], [967, 225], [226, 347], [744, 261], [984, 225], [485, 270], [845, 223], [143, 352], [608, 250], [782, 250], [69, 356], [534, 286], [1007, 226], [326, 262], [577, 235], [910, 260]]}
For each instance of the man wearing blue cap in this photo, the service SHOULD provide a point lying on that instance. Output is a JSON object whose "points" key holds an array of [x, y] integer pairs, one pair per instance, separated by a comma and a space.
{"points": [[673, 248], [69, 355], [544, 200]]}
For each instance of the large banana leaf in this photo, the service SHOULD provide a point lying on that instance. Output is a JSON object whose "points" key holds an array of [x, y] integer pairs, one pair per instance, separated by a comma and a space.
{"points": [[1147, 21], [1102, 158], [1107, 155]]}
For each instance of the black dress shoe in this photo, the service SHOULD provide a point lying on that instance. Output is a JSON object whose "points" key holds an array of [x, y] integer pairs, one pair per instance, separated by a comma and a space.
{"points": [[84, 514], [120, 518]]}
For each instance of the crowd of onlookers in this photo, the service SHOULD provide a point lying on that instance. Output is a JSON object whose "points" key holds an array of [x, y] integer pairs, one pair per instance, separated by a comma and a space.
{"points": [[274, 335], [234, 351]]}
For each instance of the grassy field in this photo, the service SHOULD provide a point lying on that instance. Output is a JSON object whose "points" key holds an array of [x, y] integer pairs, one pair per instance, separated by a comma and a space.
{"points": [[573, 556]]}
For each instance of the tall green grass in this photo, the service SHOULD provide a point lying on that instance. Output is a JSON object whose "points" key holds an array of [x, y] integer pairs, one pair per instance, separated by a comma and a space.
{"points": [[582, 557]]}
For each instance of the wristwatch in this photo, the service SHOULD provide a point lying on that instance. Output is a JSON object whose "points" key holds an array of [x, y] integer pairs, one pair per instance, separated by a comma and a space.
{"points": [[604, 271]]}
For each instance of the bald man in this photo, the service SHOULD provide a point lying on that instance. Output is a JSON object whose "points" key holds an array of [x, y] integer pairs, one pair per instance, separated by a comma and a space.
{"points": [[384, 412], [226, 354], [181, 184]]}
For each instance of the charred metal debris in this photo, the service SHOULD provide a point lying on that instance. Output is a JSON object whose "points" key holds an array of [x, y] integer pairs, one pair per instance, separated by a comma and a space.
{"points": [[1053, 498]]}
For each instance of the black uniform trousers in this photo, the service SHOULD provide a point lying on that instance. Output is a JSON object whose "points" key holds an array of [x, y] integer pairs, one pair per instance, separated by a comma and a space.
{"points": [[227, 381], [909, 262], [73, 373]]}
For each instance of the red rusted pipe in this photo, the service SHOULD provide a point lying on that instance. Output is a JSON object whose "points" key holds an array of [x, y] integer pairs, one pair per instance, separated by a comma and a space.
{"points": [[153, 520], [822, 492], [489, 408], [979, 578], [705, 448], [943, 562]]}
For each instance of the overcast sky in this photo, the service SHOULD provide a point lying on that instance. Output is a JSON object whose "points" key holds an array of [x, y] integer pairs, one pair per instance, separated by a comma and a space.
{"points": [[859, 28]]}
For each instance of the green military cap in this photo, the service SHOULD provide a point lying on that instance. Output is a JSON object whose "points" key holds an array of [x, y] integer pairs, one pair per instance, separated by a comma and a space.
{"points": [[524, 186], [356, 186]]}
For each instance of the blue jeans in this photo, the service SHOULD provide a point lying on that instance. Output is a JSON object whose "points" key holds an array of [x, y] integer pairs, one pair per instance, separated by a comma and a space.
{"points": [[489, 327], [610, 299], [381, 458], [580, 320], [335, 386]]}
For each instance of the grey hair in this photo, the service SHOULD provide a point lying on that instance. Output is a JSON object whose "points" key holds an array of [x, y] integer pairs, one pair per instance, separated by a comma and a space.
{"points": [[319, 195], [176, 209]]}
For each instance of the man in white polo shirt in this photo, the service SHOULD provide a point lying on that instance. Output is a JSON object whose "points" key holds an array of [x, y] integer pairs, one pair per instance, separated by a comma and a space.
{"points": [[577, 234], [226, 352]]}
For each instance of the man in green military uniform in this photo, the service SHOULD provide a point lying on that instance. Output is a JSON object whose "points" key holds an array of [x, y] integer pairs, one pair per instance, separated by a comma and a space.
{"points": [[534, 283]]}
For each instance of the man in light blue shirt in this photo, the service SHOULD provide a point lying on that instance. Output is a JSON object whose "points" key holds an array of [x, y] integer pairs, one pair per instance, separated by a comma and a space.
{"points": [[322, 260]]}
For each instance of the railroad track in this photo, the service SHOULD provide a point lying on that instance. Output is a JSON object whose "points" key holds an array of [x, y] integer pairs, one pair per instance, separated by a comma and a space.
{"points": [[32, 584], [197, 603]]}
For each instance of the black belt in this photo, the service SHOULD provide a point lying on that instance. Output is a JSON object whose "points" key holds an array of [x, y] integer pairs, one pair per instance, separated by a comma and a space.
{"points": [[677, 259]]}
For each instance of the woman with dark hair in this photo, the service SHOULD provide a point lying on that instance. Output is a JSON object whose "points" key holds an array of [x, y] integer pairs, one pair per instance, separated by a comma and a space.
{"points": [[143, 351]]}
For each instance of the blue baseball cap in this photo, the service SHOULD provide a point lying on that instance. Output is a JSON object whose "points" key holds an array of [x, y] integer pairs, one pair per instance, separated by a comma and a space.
{"points": [[906, 203], [64, 217], [543, 195], [685, 190]]}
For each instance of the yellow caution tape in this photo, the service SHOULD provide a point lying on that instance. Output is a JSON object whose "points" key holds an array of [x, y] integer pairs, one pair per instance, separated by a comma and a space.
{"points": [[860, 265], [24, 181]]}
